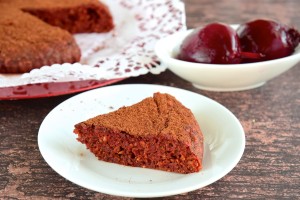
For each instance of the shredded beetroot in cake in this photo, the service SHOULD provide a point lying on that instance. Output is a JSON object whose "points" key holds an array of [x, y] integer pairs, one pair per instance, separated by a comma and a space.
{"points": [[158, 133]]}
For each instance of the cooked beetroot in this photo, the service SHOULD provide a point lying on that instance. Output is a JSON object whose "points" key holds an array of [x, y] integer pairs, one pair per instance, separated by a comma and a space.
{"points": [[269, 38], [254, 41], [215, 43]]}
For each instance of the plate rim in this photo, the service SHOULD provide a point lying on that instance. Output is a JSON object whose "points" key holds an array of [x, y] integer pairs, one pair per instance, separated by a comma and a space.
{"points": [[145, 194], [47, 93]]}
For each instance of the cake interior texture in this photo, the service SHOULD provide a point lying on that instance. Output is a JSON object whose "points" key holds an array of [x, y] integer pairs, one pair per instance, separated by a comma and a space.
{"points": [[157, 133]]}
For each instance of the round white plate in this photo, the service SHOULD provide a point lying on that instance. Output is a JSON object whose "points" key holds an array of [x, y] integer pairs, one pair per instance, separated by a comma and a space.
{"points": [[223, 134]]}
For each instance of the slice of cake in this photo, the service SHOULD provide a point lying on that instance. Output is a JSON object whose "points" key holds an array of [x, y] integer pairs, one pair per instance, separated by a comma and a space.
{"points": [[158, 133]]}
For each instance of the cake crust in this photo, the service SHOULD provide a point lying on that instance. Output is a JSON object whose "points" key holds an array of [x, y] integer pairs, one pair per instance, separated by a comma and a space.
{"points": [[158, 133]]}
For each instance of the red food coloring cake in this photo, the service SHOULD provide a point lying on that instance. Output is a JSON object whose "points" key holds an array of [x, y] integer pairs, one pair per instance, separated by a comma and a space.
{"points": [[158, 133]]}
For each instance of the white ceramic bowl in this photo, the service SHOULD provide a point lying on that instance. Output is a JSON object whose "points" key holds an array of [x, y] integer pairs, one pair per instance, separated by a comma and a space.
{"points": [[219, 77]]}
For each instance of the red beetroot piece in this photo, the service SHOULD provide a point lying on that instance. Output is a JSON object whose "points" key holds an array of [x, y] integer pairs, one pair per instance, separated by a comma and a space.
{"points": [[215, 43], [269, 38]]}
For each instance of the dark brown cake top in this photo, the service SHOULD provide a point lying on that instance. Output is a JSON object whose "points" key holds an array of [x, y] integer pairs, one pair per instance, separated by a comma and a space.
{"points": [[161, 115]]}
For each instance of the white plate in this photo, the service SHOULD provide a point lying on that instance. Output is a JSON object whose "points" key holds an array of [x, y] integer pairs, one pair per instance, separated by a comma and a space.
{"points": [[223, 134]]}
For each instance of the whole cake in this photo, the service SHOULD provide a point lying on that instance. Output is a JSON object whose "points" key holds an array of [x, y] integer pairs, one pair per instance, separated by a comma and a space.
{"points": [[35, 33], [158, 133]]}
